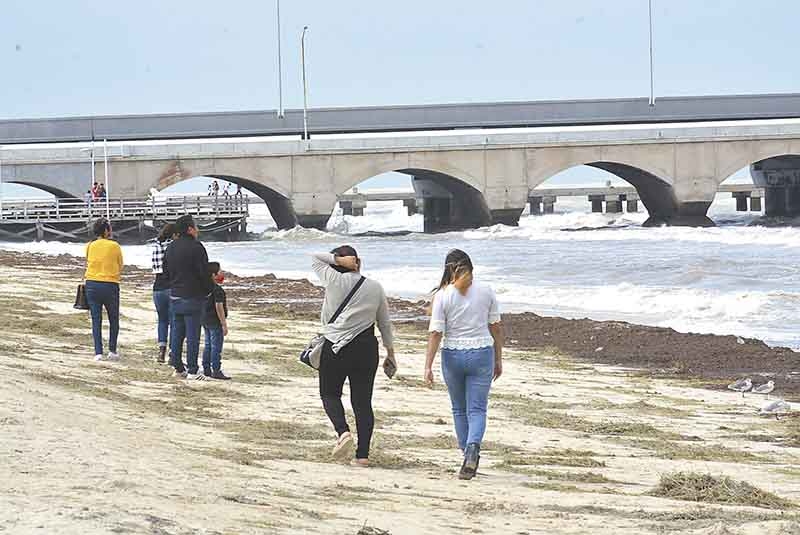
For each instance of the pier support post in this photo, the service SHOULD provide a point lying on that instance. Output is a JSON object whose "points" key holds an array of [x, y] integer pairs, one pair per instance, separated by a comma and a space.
{"points": [[755, 201], [632, 203], [597, 203], [613, 204], [536, 205], [741, 200], [39, 231], [347, 207], [411, 206], [548, 204]]}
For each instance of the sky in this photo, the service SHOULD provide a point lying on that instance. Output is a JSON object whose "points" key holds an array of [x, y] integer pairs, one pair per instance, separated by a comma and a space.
{"points": [[87, 57]]}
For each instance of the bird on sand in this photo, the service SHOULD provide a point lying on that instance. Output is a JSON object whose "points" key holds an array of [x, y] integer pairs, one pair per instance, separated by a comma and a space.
{"points": [[765, 388], [742, 385], [776, 407]]}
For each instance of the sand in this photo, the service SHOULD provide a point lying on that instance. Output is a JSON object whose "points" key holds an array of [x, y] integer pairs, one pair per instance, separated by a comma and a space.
{"points": [[572, 446]]}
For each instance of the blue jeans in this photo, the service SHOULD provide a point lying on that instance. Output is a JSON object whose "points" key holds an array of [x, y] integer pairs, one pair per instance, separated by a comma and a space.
{"points": [[186, 317], [161, 299], [99, 295], [212, 351], [468, 374]]}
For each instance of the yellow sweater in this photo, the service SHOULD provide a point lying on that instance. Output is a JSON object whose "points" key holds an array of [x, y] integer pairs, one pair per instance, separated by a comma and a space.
{"points": [[103, 261]]}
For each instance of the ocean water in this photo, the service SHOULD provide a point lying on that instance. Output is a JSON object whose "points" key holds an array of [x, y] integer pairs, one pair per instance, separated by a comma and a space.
{"points": [[732, 279]]}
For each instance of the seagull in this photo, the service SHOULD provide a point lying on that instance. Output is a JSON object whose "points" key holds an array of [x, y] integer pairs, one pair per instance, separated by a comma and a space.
{"points": [[765, 388], [776, 407], [742, 385]]}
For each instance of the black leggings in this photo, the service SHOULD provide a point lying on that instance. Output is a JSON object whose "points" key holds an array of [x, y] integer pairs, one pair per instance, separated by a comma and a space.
{"points": [[358, 362]]}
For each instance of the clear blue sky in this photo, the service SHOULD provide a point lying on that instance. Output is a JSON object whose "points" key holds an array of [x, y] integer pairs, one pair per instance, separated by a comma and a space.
{"points": [[82, 57], [88, 57]]}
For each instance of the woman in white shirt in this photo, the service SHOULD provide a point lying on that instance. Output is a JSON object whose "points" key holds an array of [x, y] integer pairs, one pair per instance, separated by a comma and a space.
{"points": [[465, 321]]}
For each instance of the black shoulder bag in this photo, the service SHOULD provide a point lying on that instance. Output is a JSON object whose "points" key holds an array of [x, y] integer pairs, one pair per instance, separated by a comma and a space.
{"points": [[312, 354]]}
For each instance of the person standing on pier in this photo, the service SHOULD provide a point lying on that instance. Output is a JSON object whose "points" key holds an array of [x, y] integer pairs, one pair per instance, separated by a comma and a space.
{"points": [[465, 320], [103, 271], [161, 291], [186, 261]]}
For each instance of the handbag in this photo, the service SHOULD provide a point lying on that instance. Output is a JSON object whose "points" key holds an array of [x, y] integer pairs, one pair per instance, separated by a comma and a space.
{"points": [[80, 298], [312, 354], [80, 294]]}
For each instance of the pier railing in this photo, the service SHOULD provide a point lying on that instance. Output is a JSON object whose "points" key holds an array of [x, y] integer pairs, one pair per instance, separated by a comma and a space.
{"points": [[158, 208]]}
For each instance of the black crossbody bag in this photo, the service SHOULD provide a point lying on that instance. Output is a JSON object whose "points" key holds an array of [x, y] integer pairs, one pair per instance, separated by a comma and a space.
{"points": [[312, 354]]}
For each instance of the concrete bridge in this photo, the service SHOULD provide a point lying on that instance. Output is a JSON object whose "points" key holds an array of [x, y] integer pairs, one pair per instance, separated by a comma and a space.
{"points": [[467, 180]]}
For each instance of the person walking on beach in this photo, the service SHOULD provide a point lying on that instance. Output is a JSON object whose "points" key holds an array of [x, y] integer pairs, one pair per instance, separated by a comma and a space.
{"points": [[103, 271], [161, 291], [186, 261], [465, 321], [215, 324], [351, 349]]}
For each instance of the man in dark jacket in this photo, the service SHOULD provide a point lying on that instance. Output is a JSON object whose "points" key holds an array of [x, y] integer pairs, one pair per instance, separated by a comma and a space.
{"points": [[186, 262]]}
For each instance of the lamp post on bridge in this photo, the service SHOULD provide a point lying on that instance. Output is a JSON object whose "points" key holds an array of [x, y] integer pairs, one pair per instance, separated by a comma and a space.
{"points": [[280, 60], [1, 182], [305, 82], [650, 17]]}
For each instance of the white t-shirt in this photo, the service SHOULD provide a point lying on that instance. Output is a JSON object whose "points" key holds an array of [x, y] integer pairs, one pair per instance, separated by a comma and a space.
{"points": [[464, 319]]}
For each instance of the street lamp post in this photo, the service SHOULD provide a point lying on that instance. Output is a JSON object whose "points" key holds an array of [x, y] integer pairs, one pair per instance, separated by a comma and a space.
{"points": [[280, 61], [108, 182], [305, 81], [650, 16], [1, 182]]}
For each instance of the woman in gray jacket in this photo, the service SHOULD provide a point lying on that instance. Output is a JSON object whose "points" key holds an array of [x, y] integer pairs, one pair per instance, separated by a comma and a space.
{"points": [[351, 349]]}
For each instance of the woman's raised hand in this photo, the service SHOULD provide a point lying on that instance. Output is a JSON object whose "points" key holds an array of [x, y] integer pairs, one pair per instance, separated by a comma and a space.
{"points": [[348, 262]]}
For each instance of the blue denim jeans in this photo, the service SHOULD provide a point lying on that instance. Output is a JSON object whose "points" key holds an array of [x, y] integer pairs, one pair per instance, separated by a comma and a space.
{"points": [[186, 317], [468, 375], [212, 351], [161, 299], [99, 295]]}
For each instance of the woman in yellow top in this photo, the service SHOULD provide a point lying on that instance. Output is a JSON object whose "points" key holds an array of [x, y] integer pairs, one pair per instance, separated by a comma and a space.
{"points": [[103, 270]]}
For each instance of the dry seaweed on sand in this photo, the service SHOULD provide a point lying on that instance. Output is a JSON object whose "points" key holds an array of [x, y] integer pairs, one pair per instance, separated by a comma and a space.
{"points": [[694, 487], [369, 530]]}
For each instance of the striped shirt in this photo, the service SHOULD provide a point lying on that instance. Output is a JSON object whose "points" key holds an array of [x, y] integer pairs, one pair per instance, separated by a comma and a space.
{"points": [[158, 250]]}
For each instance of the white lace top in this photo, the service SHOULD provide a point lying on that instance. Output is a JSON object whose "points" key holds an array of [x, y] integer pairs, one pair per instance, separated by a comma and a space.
{"points": [[464, 319]]}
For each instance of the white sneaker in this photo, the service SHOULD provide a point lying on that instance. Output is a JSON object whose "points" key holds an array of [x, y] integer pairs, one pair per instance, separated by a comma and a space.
{"points": [[176, 373], [99, 357], [113, 355], [195, 376]]}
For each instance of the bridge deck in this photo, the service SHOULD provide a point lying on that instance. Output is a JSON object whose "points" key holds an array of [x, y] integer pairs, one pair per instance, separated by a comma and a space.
{"points": [[402, 118]]}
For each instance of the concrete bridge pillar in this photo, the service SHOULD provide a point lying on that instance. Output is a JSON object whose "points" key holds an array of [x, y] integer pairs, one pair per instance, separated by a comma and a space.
{"points": [[755, 201], [632, 203], [613, 204], [548, 204], [535, 205], [741, 200], [412, 206]]}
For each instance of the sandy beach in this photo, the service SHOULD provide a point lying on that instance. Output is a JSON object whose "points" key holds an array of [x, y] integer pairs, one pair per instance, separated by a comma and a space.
{"points": [[595, 427]]}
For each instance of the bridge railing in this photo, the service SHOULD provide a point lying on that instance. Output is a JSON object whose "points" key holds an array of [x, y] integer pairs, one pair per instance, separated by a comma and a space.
{"points": [[65, 210]]}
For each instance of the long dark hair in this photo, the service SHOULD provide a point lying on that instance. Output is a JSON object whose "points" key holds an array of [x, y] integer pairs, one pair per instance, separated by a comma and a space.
{"points": [[166, 232], [456, 264], [100, 227]]}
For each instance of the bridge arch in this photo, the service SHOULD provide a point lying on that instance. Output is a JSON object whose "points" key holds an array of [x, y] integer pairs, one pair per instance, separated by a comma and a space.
{"points": [[278, 204], [56, 192], [449, 202], [656, 192]]}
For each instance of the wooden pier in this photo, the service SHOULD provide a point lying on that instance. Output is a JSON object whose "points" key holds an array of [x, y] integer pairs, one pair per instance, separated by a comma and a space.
{"points": [[72, 219]]}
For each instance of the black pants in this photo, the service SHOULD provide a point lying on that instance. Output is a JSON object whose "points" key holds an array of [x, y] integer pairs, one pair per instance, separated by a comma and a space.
{"points": [[358, 362]]}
